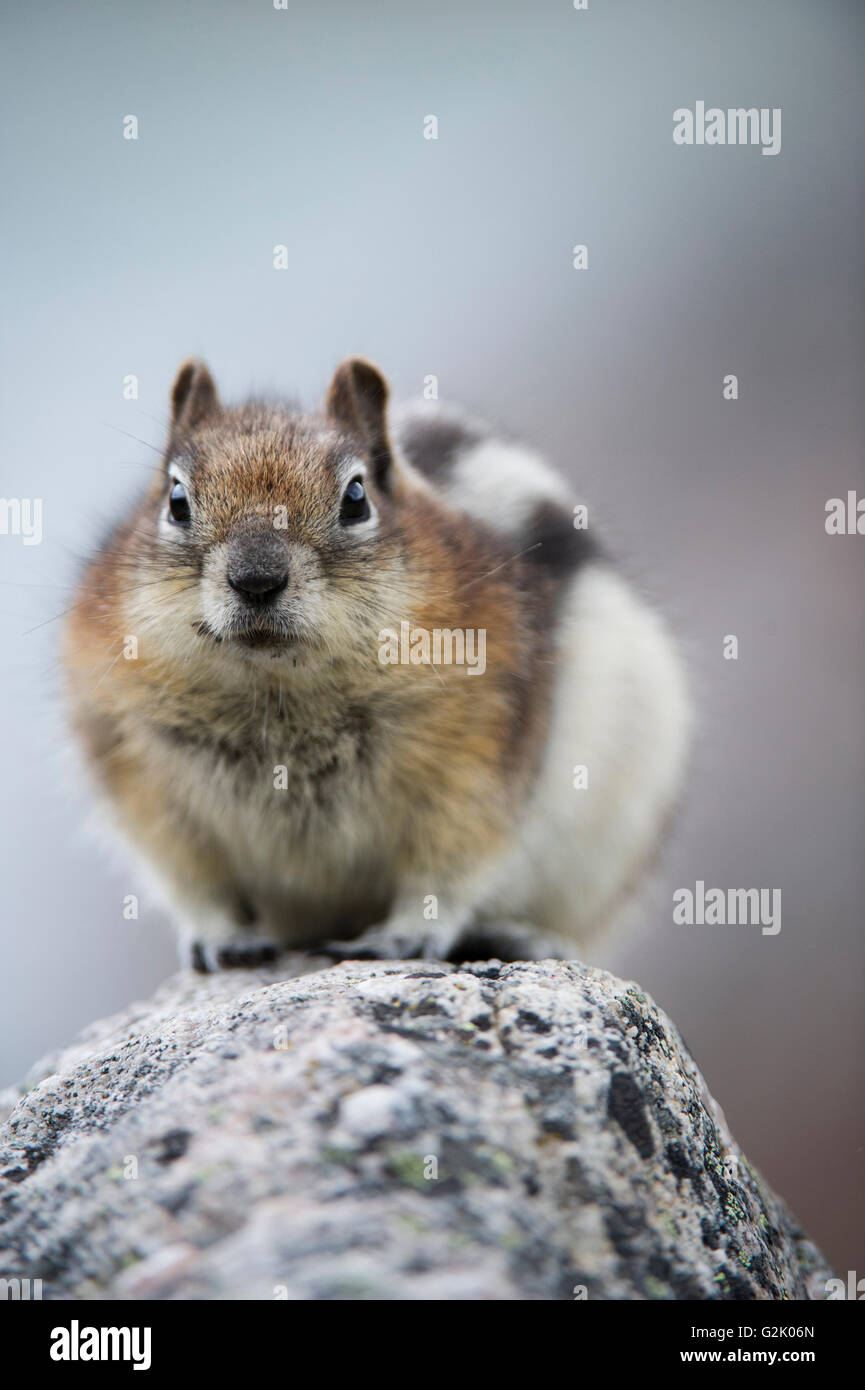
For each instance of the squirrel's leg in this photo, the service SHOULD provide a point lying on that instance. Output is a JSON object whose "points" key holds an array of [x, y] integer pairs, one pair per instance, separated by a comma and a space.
{"points": [[216, 922], [454, 937], [420, 925], [218, 936], [217, 926]]}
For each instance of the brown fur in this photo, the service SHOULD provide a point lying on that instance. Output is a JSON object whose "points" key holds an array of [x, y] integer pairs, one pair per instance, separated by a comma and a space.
{"points": [[417, 774]]}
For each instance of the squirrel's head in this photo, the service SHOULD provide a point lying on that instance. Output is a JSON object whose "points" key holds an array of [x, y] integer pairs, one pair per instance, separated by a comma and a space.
{"points": [[283, 531]]}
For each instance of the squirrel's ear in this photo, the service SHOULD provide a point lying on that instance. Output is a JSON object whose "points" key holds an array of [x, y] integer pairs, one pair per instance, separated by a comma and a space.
{"points": [[193, 396], [357, 403]]}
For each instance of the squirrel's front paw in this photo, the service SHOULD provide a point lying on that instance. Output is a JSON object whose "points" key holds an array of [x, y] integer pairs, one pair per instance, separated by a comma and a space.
{"points": [[390, 943], [244, 954]]}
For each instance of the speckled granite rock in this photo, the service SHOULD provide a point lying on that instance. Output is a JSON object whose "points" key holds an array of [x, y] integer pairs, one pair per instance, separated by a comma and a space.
{"points": [[391, 1131]]}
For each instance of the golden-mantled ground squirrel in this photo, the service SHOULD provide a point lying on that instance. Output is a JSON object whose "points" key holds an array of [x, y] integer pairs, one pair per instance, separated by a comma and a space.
{"points": [[335, 676]]}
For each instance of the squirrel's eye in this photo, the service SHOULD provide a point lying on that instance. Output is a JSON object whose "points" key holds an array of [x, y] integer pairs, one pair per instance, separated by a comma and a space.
{"points": [[355, 506], [178, 505]]}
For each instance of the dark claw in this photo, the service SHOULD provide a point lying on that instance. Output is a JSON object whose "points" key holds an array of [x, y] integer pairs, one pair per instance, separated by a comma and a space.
{"points": [[343, 950], [246, 957], [198, 960]]}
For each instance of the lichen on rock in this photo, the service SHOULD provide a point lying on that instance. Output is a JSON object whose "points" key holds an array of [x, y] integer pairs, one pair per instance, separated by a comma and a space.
{"points": [[388, 1131]]}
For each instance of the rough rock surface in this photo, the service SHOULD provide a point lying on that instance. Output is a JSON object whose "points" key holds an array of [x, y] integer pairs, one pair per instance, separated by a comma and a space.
{"points": [[390, 1131]]}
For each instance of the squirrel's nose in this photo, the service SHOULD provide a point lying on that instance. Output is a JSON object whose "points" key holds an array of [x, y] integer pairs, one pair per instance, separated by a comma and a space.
{"points": [[258, 582], [257, 565]]}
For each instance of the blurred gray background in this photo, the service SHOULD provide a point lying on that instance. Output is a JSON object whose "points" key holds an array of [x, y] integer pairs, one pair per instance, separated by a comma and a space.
{"points": [[305, 127]]}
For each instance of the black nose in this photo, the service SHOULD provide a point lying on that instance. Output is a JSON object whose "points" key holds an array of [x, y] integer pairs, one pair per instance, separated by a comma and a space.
{"points": [[257, 567], [258, 583]]}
